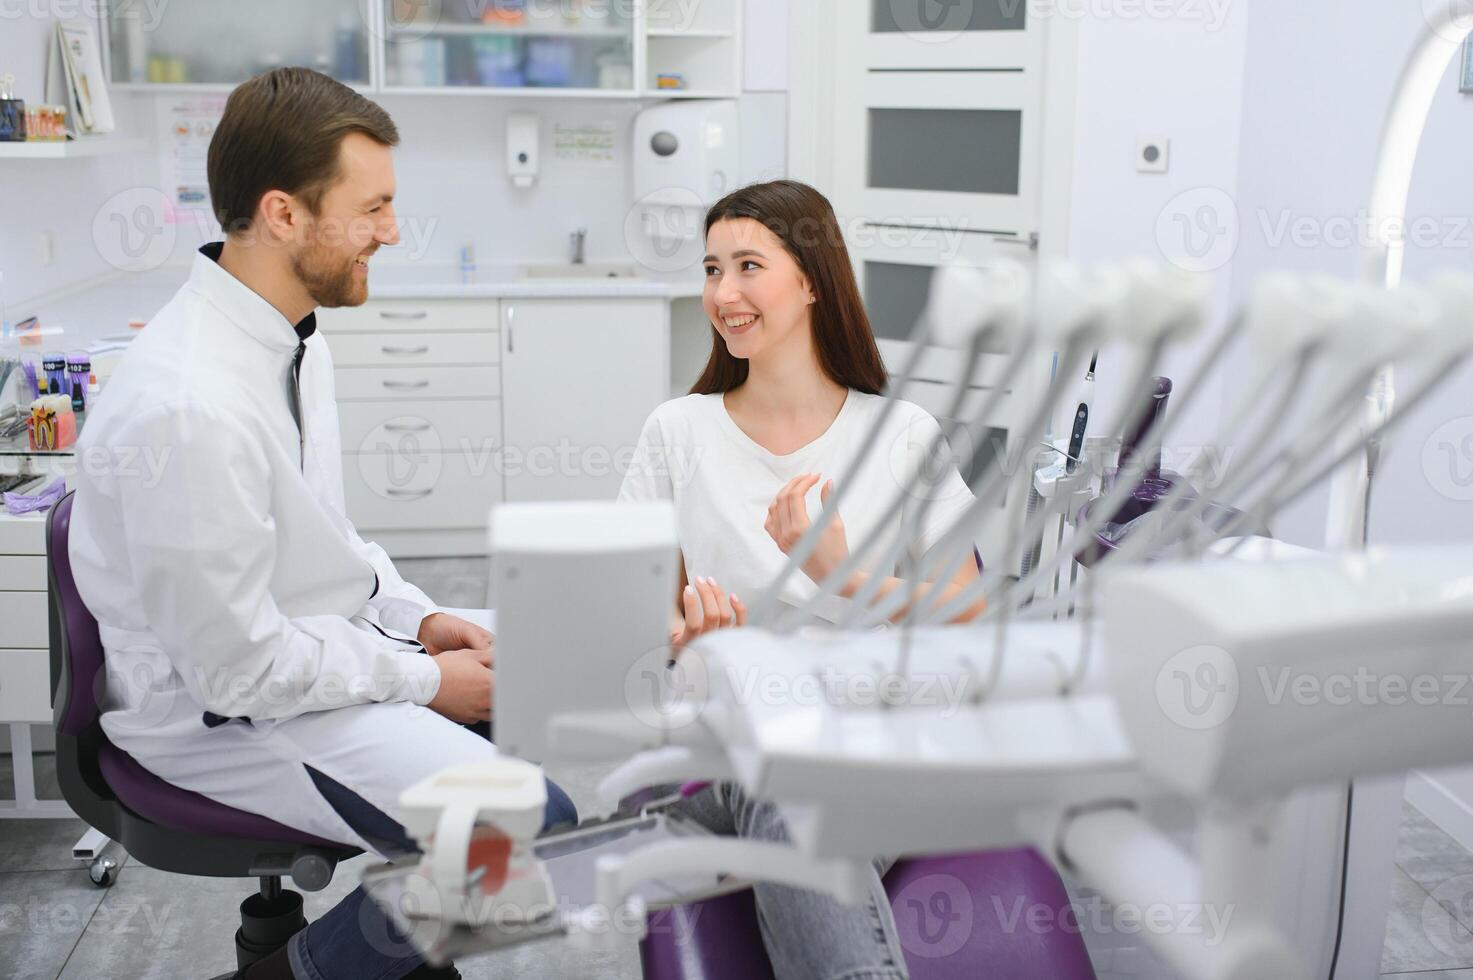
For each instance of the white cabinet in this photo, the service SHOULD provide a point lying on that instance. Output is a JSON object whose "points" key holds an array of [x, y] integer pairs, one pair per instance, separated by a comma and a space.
{"points": [[419, 406], [211, 42], [579, 377], [25, 687], [449, 406], [567, 48]]}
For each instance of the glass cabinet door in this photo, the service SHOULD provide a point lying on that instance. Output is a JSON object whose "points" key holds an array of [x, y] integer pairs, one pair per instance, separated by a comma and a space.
{"points": [[509, 44], [225, 42]]}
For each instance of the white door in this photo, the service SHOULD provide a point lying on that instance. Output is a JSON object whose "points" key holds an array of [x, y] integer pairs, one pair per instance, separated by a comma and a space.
{"points": [[924, 122], [579, 378]]}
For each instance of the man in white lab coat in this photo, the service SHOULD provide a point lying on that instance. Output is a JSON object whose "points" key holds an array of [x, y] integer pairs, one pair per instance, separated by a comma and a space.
{"points": [[258, 650]]}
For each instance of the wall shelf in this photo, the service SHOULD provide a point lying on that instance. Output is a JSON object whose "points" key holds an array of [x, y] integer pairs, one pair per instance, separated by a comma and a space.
{"points": [[685, 93], [675, 32], [522, 92], [71, 149], [554, 29]]}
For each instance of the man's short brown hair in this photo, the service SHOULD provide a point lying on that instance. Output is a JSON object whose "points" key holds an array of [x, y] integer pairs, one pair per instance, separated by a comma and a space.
{"points": [[282, 131]]}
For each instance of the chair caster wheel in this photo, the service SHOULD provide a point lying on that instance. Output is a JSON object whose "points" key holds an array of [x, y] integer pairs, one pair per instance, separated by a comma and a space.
{"points": [[102, 870]]}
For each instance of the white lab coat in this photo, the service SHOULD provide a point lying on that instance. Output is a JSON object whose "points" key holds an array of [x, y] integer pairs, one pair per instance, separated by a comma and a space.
{"points": [[214, 550]]}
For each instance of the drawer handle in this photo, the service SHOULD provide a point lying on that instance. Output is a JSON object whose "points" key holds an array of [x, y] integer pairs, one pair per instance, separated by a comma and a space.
{"points": [[406, 384], [404, 351], [408, 494], [396, 315], [400, 427]]}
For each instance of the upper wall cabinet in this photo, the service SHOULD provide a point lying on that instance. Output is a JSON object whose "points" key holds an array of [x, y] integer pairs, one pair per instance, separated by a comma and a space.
{"points": [[223, 43], [583, 48], [530, 44]]}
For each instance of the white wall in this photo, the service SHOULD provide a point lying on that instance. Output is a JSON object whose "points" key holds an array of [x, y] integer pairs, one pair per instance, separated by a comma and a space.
{"points": [[1274, 123], [1312, 117], [450, 166], [1179, 78], [60, 197]]}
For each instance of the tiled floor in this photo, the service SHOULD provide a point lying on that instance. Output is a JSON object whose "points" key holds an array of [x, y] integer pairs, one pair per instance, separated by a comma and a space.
{"points": [[154, 926], [150, 925], [55, 925], [1430, 930]]}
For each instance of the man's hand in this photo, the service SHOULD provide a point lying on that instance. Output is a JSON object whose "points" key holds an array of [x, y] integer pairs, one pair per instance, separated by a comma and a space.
{"points": [[441, 631], [466, 685]]}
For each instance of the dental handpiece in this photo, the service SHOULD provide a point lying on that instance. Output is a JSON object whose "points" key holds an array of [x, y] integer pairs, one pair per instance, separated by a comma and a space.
{"points": [[861, 550], [957, 544], [1113, 499], [768, 602], [1081, 417], [913, 520]]}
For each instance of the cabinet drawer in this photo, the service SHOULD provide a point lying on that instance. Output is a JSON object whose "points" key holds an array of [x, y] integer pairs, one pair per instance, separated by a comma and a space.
{"points": [[19, 573], [409, 315], [25, 686], [414, 347], [416, 383], [25, 535], [425, 427], [388, 491], [23, 621]]}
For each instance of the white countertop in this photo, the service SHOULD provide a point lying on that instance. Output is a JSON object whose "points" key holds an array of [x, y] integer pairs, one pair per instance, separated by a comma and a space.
{"points": [[415, 281], [82, 316]]}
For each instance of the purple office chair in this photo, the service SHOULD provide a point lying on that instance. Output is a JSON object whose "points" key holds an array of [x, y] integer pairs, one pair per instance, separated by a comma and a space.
{"points": [[165, 827]]}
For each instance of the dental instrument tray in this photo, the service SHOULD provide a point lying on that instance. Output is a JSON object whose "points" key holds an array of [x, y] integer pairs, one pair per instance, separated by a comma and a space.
{"points": [[570, 858]]}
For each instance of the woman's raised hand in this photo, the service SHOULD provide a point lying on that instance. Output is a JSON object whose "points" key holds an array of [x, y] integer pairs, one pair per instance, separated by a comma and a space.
{"points": [[787, 521], [706, 609]]}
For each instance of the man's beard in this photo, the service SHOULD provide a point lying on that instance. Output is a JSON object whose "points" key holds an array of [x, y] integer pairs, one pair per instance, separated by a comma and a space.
{"points": [[329, 283]]}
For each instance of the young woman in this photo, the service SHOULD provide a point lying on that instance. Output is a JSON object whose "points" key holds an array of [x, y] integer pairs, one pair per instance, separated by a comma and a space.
{"points": [[792, 387]]}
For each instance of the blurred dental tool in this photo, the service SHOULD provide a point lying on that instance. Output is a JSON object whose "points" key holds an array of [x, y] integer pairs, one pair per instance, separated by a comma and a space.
{"points": [[1081, 416], [33, 383], [79, 371], [55, 367]]}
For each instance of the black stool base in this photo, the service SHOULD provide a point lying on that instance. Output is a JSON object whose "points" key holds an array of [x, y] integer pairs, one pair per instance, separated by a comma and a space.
{"points": [[266, 925]]}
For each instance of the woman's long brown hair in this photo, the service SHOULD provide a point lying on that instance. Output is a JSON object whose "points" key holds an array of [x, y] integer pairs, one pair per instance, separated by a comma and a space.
{"points": [[804, 221]]}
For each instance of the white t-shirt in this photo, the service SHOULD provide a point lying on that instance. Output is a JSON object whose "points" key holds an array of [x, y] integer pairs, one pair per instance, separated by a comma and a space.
{"points": [[722, 482]]}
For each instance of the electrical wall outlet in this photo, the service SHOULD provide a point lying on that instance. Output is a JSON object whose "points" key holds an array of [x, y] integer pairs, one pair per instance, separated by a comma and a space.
{"points": [[48, 249], [1153, 156]]}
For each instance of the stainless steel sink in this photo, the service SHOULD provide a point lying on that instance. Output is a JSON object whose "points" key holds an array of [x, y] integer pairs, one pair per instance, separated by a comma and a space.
{"points": [[586, 270]]}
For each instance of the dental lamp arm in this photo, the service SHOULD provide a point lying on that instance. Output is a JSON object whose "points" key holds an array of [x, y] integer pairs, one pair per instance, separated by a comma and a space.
{"points": [[1401, 138]]}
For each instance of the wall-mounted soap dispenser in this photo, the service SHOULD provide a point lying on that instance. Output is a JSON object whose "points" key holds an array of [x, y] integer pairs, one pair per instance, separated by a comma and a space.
{"points": [[523, 135]]}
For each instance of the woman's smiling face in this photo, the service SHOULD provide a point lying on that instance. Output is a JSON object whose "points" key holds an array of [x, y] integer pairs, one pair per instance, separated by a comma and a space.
{"points": [[756, 296]]}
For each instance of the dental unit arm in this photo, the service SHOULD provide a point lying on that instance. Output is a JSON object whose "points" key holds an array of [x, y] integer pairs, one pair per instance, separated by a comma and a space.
{"points": [[1225, 683]]}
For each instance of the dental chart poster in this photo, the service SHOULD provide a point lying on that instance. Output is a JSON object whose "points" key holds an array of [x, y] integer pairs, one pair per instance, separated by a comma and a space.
{"points": [[591, 143], [185, 126]]}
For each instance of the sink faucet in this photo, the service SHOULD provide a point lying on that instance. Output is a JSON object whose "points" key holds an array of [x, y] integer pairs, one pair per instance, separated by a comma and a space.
{"points": [[577, 240]]}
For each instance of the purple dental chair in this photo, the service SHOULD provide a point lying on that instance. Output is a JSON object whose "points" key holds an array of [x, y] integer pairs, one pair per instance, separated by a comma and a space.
{"points": [[165, 827], [959, 917]]}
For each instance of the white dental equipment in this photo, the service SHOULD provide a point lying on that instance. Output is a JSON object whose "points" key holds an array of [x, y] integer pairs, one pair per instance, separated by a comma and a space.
{"points": [[1045, 733], [505, 797], [630, 551], [1228, 685]]}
